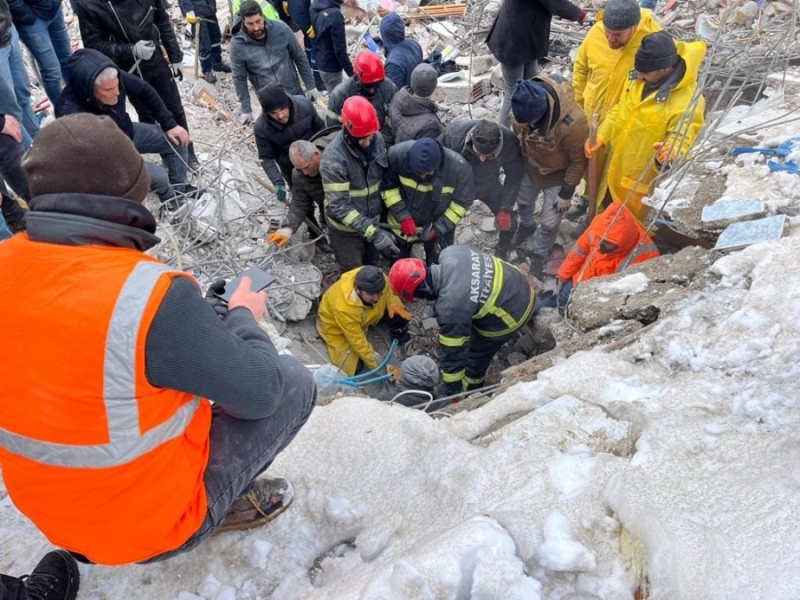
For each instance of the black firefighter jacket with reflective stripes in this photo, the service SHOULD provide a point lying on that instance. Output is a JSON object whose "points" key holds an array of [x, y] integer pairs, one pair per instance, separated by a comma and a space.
{"points": [[477, 294], [352, 187], [441, 200], [380, 101]]}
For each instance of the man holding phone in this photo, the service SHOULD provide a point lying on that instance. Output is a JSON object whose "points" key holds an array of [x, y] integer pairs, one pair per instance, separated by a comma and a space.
{"points": [[109, 442]]}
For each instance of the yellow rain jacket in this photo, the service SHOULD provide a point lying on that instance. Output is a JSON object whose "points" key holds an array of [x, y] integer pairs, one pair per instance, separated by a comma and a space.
{"points": [[343, 320], [600, 73], [634, 126]]}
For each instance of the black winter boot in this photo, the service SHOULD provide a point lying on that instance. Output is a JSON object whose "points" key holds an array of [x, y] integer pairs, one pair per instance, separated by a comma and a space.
{"points": [[193, 163], [521, 234], [56, 577], [504, 244], [13, 214]]}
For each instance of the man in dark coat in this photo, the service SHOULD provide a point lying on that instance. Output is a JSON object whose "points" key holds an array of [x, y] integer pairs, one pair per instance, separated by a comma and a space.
{"points": [[330, 42], [98, 87], [402, 55], [202, 16], [413, 114], [284, 119], [520, 36], [132, 34]]}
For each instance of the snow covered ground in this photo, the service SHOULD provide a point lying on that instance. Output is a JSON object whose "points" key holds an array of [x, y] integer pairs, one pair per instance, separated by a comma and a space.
{"points": [[678, 456]]}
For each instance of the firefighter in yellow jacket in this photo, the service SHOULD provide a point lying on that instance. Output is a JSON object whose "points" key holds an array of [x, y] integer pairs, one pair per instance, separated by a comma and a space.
{"points": [[655, 121], [604, 62], [358, 301]]}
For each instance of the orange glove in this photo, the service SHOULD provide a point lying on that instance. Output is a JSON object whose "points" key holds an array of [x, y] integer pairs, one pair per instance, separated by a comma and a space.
{"points": [[664, 152], [394, 372], [590, 150], [280, 237], [401, 311]]}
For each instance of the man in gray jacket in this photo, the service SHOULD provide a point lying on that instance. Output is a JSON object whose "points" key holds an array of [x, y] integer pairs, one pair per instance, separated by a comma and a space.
{"points": [[266, 53], [490, 148], [412, 111]]}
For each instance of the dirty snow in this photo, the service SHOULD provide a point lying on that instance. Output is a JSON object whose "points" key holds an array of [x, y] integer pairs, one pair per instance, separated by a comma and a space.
{"points": [[634, 283]]}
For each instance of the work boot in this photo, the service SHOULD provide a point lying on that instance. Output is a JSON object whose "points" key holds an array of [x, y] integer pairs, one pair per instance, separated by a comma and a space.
{"points": [[56, 577], [577, 209], [221, 67], [521, 234], [193, 163], [265, 500], [210, 77], [188, 190], [537, 263], [13, 214]]}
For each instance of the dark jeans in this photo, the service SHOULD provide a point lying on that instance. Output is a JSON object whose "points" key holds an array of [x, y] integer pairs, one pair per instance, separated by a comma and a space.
{"points": [[432, 249], [151, 139], [11, 167], [12, 588], [351, 250], [210, 43], [157, 73], [48, 42], [241, 450]]}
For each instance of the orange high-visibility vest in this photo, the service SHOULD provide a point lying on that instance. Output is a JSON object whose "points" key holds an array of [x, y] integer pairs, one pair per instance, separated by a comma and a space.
{"points": [[101, 461]]}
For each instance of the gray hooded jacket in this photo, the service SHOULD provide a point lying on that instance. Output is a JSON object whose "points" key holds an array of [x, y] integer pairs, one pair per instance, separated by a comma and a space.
{"points": [[413, 117]]}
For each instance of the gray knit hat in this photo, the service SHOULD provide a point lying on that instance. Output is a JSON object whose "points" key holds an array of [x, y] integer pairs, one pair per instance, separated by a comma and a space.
{"points": [[371, 280], [424, 80], [621, 15]]}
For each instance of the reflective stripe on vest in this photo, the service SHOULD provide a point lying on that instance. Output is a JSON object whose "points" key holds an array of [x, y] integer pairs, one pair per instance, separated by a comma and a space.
{"points": [[490, 308], [126, 442]]}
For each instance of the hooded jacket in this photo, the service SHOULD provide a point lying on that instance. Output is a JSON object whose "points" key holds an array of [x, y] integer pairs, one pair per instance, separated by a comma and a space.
{"points": [[25, 12], [300, 13], [274, 61], [80, 247], [601, 74], [114, 26], [380, 100], [330, 39], [616, 225], [476, 294], [307, 191], [343, 320], [273, 138], [553, 148], [402, 55], [442, 200], [635, 125], [507, 158], [5, 24], [521, 31], [352, 187], [413, 117], [78, 96]]}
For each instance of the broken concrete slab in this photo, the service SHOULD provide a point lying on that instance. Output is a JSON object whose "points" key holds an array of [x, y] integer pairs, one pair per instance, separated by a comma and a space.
{"points": [[725, 213], [487, 224], [739, 235]]}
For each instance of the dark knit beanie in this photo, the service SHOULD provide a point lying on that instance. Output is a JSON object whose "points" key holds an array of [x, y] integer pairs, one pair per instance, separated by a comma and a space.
{"points": [[86, 154], [425, 156], [620, 15], [424, 80], [658, 51], [371, 280], [486, 137], [528, 101], [272, 97]]}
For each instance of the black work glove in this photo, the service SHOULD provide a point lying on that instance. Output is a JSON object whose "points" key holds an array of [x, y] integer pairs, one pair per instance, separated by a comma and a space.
{"points": [[219, 305], [398, 329]]}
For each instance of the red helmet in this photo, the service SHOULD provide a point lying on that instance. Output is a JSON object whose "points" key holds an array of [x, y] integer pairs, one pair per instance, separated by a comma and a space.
{"points": [[368, 67], [405, 277], [359, 117]]}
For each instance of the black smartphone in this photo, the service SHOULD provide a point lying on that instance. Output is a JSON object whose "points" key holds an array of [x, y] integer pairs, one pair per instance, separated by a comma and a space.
{"points": [[260, 279]]}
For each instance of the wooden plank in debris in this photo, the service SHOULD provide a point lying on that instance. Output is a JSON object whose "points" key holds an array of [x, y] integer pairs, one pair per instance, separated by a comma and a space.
{"points": [[432, 11]]}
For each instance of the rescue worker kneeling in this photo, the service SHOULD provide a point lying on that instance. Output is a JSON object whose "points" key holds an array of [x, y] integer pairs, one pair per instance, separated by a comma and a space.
{"points": [[427, 189], [358, 301], [480, 303]]}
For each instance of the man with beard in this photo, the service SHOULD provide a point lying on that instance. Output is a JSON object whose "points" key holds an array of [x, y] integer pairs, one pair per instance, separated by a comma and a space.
{"points": [[427, 189], [264, 53], [352, 170], [358, 301], [369, 82]]}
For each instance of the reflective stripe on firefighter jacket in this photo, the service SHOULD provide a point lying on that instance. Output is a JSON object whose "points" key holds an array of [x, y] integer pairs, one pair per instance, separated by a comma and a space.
{"points": [[101, 461], [441, 200], [380, 100], [352, 188], [477, 295]]}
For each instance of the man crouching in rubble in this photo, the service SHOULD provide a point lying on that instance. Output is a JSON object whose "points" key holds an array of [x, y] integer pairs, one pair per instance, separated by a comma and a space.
{"points": [[108, 439]]}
